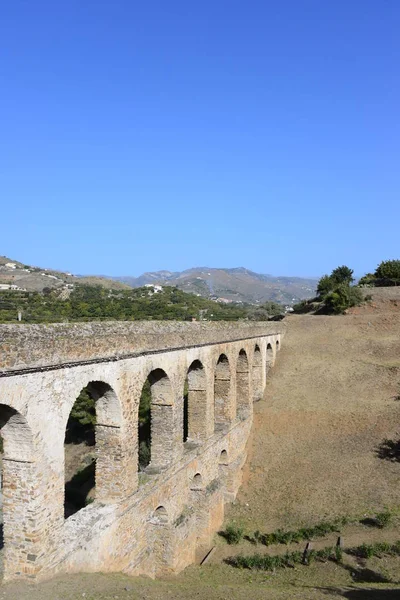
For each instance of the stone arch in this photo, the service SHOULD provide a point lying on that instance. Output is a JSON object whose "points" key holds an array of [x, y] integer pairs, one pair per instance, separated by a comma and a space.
{"points": [[195, 404], [25, 515], [161, 417], [97, 475], [223, 458], [270, 357], [160, 516], [197, 482], [222, 393], [257, 374], [16, 434], [242, 385]]}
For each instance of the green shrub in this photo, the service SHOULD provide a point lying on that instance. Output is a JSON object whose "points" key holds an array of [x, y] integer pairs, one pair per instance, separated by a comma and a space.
{"points": [[368, 279], [305, 533], [339, 554], [388, 272], [144, 454], [378, 549], [342, 275], [343, 297], [383, 519], [233, 533], [264, 562]]}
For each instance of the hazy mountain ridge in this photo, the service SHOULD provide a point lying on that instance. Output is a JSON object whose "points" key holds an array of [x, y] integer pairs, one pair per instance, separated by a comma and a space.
{"points": [[232, 284], [236, 284]]}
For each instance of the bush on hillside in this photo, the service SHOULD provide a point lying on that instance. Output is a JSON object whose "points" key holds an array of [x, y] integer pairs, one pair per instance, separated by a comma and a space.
{"points": [[368, 279], [325, 285], [388, 273], [233, 533], [305, 306], [336, 293], [342, 298], [342, 275], [264, 311]]}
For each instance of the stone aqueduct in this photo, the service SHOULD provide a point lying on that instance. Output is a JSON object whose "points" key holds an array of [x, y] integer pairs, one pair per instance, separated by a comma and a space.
{"points": [[167, 522]]}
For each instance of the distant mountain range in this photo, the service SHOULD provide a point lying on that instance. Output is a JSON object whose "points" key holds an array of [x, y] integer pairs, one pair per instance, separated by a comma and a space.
{"points": [[235, 285], [225, 285]]}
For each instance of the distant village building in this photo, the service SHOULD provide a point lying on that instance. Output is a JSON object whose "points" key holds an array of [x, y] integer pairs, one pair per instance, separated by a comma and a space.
{"points": [[11, 286], [155, 288]]}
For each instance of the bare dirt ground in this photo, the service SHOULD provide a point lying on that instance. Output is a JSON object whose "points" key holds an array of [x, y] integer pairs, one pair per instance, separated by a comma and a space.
{"points": [[329, 404], [316, 452]]}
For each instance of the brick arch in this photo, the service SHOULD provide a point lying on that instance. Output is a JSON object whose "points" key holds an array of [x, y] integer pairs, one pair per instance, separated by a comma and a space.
{"points": [[195, 404], [197, 482], [270, 357], [24, 524], [106, 473], [162, 426], [242, 384], [257, 373], [16, 434], [160, 516], [223, 457], [222, 393], [108, 406]]}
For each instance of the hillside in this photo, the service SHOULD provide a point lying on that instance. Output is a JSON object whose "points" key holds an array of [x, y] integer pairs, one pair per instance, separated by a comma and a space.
{"points": [[86, 302], [22, 276], [225, 285], [239, 284]]}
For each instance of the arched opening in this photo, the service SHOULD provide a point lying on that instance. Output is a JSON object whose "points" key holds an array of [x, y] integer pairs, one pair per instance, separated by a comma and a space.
{"points": [[277, 345], [222, 392], [156, 426], [270, 358], [20, 496], [91, 447], [257, 374], [1, 492], [223, 458], [242, 385], [197, 482], [195, 404], [185, 428], [160, 516], [144, 433]]}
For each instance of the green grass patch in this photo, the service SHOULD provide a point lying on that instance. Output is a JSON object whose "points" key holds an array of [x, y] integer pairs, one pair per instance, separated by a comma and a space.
{"points": [[264, 562], [305, 533]]}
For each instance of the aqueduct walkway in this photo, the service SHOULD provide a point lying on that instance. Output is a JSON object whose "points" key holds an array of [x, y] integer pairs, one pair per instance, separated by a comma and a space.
{"points": [[163, 524]]}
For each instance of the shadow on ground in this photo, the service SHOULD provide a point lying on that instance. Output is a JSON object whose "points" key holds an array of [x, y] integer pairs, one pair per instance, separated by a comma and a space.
{"points": [[364, 594], [389, 450], [78, 488]]}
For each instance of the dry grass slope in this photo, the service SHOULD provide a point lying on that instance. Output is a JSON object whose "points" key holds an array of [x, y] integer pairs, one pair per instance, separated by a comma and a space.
{"points": [[329, 404]]}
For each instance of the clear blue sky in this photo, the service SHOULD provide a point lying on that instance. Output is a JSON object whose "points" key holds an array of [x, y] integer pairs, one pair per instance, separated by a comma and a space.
{"points": [[152, 135]]}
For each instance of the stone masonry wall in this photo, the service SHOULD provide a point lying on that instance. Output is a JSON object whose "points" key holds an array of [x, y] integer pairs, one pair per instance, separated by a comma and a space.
{"points": [[30, 346], [165, 523]]}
